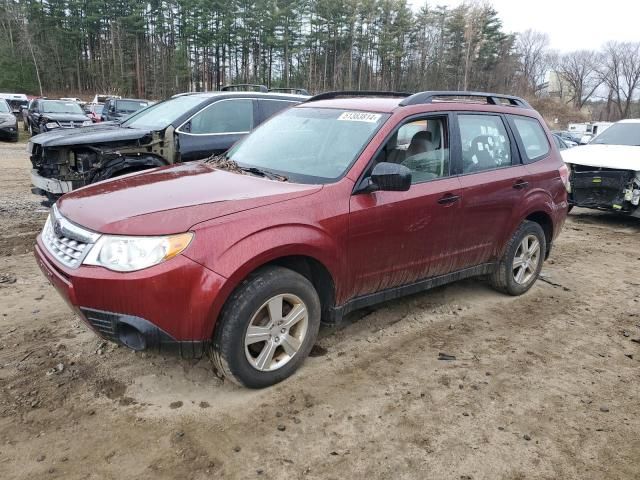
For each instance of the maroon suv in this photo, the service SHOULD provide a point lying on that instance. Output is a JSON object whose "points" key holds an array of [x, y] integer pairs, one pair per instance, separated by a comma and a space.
{"points": [[341, 202]]}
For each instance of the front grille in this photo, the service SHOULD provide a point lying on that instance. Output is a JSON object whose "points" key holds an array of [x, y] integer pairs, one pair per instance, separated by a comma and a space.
{"points": [[70, 124], [68, 242]]}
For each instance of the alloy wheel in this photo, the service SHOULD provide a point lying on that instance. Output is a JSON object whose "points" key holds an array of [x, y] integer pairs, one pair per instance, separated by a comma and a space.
{"points": [[276, 332], [526, 260]]}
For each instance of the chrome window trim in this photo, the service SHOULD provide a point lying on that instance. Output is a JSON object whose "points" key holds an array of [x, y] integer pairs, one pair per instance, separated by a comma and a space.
{"points": [[209, 106]]}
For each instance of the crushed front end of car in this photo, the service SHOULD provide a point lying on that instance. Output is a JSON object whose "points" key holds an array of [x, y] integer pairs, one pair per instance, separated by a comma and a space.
{"points": [[605, 189], [62, 163]]}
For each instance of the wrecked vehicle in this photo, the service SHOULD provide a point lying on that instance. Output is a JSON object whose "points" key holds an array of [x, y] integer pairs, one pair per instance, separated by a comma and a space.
{"points": [[8, 123], [318, 212], [605, 174], [186, 127]]}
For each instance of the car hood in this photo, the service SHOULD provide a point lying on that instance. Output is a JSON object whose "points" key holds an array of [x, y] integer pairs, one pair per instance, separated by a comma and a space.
{"points": [[172, 199], [101, 133], [620, 157]]}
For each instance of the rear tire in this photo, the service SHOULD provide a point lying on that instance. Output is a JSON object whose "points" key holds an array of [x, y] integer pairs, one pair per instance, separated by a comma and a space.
{"points": [[522, 261], [267, 328]]}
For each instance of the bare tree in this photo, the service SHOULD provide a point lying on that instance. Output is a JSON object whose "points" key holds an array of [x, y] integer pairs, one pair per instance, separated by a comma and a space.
{"points": [[620, 72], [579, 70], [532, 48]]}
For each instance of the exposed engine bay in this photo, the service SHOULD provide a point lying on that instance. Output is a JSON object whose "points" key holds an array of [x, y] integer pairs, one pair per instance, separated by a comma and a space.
{"points": [[605, 189], [62, 168]]}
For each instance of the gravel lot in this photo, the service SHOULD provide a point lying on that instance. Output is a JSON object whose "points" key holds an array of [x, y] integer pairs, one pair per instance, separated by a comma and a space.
{"points": [[545, 386]]}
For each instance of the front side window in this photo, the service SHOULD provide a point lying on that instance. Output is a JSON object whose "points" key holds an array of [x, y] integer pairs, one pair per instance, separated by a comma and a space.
{"points": [[534, 140], [422, 146], [309, 145], [485, 143], [225, 116]]}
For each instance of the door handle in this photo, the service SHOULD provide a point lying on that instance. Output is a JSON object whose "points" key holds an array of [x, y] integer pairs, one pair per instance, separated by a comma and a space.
{"points": [[520, 185], [448, 199]]}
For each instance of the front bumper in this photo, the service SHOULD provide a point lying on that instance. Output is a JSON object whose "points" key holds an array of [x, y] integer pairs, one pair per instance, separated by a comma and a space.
{"points": [[605, 189], [166, 308], [50, 185], [9, 133]]}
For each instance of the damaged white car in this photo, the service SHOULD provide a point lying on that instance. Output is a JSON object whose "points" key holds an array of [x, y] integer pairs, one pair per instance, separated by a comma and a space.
{"points": [[605, 174]]}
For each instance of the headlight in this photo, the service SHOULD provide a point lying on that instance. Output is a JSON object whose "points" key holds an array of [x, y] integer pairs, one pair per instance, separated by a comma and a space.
{"points": [[51, 125], [127, 254], [87, 123]]}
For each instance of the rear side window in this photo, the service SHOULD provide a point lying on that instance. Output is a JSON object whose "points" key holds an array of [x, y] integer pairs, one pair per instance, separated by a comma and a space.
{"points": [[225, 116], [485, 143], [534, 140], [270, 107]]}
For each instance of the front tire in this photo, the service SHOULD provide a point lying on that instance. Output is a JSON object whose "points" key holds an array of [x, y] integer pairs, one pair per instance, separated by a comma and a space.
{"points": [[521, 263], [267, 328]]}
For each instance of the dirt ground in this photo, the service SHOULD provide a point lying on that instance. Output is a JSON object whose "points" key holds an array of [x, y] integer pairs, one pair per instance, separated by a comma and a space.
{"points": [[545, 386]]}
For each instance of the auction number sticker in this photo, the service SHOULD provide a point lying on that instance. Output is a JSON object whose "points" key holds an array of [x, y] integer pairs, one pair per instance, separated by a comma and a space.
{"points": [[360, 117]]}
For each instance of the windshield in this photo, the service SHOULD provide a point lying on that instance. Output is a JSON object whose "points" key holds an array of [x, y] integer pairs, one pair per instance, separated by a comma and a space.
{"points": [[308, 145], [98, 109], [130, 106], [160, 115], [51, 106], [4, 108], [620, 134]]}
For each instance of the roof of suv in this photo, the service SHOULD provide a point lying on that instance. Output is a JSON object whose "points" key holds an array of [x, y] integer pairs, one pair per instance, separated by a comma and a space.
{"points": [[388, 102]]}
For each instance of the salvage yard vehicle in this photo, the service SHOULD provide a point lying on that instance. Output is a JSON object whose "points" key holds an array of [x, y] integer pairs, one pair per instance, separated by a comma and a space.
{"points": [[8, 123], [94, 111], [317, 213], [605, 174], [186, 127], [117, 109], [16, 101], [45, 115]]}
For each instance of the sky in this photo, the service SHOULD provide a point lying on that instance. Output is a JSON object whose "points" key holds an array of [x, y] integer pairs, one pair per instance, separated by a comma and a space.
{"points": [[571, 25]]}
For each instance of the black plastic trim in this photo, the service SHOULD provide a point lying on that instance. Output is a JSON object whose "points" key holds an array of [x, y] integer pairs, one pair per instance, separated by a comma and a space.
{"points": [[337, 313], [115, 327]]}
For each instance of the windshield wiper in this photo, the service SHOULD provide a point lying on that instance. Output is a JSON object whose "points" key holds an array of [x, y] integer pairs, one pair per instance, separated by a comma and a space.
{"points": [[224, 163], [264, 173]]}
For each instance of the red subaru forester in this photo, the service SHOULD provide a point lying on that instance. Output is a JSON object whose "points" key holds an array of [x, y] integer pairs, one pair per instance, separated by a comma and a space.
{"points": [[345, 201]]}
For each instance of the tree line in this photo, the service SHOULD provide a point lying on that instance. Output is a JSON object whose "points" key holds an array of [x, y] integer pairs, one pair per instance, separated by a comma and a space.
{"points": [[158, 48]]}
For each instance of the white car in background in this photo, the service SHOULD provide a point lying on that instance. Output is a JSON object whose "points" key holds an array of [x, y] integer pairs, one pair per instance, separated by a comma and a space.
{"points": [[605, 174]]}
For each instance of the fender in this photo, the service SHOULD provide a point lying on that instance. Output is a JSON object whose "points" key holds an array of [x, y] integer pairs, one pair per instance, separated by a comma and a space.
{"points": [[239, 258], [536, 200]]}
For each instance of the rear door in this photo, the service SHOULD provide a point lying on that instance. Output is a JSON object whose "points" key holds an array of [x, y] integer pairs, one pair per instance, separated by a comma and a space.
{"points": [[215, 128], [397, 238], [494, 183]]}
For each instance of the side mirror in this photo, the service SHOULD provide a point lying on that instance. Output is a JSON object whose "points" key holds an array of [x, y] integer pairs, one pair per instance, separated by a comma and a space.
{"points": [[390, 177]]}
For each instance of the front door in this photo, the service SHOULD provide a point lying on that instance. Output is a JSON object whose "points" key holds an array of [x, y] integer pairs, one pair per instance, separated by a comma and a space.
{"points": [[215, 128], [397, 238]]}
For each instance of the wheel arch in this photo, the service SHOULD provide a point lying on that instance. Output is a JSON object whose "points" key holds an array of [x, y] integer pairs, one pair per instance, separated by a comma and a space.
{"points": [[305, 263], [543, 219]]}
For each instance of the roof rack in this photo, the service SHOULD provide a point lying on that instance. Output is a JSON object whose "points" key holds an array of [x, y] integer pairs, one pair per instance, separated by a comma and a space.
{"points": [[356, 93], [490, 98], [295, 91], [244, 87]]}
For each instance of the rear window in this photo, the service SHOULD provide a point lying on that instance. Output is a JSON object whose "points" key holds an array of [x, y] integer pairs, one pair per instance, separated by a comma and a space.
{"points": [[534, 140]]}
